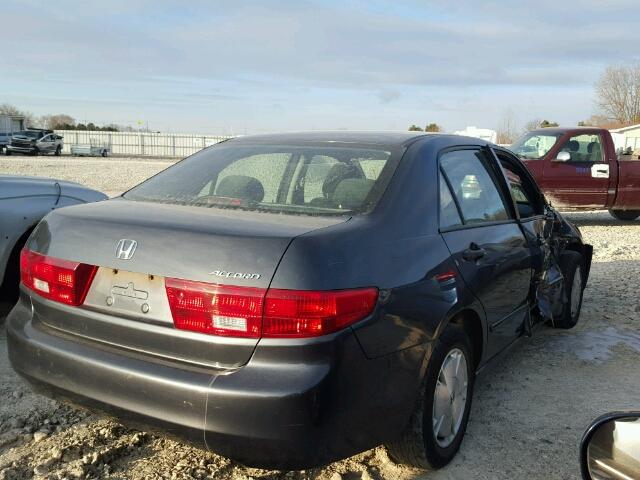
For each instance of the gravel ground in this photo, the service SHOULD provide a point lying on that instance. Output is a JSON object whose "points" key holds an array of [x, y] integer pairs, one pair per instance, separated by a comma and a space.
{"points": [[528, 415], [112, 175]]}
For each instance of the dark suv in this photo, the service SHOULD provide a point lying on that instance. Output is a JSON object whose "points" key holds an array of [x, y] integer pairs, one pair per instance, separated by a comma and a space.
{"points": [[290, 300]]}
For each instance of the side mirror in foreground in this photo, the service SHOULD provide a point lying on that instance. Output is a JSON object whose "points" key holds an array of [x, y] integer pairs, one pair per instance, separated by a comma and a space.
{"points": [[610, 448], [563, 157]]}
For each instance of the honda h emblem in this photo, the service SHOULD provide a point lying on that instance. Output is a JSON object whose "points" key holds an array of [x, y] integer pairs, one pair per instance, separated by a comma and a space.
{"points": [[125, 249]]}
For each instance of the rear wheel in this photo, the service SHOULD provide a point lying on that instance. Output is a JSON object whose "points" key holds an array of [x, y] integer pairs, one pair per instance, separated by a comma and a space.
{"points": [[58, 151], [437, 426], [7, 151], [625, 215], [573, 270], [103, 153], [35, 152]]}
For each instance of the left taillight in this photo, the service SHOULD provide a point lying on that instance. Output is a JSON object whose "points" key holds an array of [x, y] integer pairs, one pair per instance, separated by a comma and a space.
{"points": [[56, 279]]}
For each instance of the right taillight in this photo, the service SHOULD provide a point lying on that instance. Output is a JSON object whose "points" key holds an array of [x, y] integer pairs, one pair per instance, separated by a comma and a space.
{"points": [[303, 313], [253, 312]]}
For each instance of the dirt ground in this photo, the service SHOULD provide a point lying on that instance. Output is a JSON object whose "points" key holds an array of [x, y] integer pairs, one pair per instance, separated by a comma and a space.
{"points": [[529, 411]]}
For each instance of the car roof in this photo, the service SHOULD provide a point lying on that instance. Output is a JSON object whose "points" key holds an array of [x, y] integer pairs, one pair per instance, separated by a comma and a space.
{"points": [[381, 138]]}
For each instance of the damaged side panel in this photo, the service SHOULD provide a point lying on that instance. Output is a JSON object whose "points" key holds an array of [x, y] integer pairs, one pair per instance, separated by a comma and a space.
{"points": [[556, 236]]}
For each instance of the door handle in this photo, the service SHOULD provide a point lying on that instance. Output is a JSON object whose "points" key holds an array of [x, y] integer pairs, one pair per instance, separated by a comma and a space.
{"points": [[474, 252]]}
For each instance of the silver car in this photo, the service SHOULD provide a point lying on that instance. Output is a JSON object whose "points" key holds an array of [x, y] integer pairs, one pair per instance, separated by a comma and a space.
{"points": [[35, 142], [23, 203]]}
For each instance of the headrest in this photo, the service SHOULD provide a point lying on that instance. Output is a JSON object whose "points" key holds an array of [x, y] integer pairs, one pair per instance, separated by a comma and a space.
{"points": [[593, 147], [573, 146], [337, 173], [351, 193], [241, 186]]}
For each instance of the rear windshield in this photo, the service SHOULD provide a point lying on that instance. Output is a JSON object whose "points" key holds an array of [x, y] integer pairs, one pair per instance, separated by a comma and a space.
{"points": [[283, 179]]}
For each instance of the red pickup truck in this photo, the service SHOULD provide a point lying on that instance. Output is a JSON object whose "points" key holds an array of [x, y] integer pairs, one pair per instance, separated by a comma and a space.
{"points": [[578, 168]]}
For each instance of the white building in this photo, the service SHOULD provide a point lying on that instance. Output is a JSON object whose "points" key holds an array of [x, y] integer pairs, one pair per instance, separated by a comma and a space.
{"points": [[626, 137], [483, 133]]}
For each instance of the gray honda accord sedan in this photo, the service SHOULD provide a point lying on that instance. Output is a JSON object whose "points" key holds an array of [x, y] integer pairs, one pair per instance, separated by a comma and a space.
{"points": [[290, 300]]}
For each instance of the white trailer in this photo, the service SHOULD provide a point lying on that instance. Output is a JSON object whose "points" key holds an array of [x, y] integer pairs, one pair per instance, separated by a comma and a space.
{"points": [[9, 124], [90, 150]]}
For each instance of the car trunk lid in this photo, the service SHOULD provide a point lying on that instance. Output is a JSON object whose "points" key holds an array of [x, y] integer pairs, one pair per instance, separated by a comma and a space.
{"points": [[127, 305]]}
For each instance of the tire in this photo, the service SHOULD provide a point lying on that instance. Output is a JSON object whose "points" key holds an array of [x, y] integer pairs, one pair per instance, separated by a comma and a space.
{"points": [[7, 152], [625, 215], [58, 151], [573, 269], [103, 153], [419, 446], [35, 152]]}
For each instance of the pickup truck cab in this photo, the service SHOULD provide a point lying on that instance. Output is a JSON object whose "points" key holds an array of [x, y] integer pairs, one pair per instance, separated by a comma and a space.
{"points": [[35, 142], [578, 168]]}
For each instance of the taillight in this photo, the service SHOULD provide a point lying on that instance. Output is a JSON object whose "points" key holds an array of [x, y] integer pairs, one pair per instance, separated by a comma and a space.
{"points": [[60, 280], [301, 313], [254, 312], [215, 309]]}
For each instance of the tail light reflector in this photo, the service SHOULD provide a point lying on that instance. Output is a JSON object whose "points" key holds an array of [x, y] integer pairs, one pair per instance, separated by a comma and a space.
{"points": [[59, 280], [215, 309], [254, 312], [301, 313]]}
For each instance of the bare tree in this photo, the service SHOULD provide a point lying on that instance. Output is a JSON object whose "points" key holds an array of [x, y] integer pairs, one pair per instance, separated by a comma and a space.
{"points": [[8, 109], [507, 131], [600, 121], [59, 121], [532, 124], [618, 93]]}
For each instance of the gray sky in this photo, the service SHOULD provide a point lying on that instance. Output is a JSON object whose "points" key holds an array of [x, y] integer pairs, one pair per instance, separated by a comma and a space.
{"points": [[259, 66]]}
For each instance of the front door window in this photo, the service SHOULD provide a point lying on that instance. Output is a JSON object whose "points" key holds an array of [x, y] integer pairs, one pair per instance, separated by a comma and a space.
{"points": [[584, 148]]}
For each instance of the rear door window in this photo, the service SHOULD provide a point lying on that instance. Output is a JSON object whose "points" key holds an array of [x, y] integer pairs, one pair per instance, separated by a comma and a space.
{"points": [[474, 186], [449, 215]]}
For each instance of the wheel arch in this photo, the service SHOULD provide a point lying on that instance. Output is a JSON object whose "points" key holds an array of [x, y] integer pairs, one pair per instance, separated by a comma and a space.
{"points": [[11, 272], [587, 253], [473, 323]]}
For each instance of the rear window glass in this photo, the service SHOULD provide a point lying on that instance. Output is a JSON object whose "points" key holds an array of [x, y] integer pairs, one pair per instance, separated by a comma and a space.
{"points": [[282, 179]]}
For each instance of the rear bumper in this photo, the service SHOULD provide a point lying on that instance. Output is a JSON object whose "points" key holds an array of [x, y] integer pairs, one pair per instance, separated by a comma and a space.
{"points": [[289, 407]]}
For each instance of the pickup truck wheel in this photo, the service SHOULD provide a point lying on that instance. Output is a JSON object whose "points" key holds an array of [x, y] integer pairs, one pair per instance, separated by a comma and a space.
{"points": [[573, 269], [7, 152], [625, 215], [58, 151], [437, 426]]}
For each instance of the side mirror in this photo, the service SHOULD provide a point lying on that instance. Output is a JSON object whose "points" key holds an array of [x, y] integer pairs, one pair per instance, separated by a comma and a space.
{"points": [[563, 157], [610, 447]]}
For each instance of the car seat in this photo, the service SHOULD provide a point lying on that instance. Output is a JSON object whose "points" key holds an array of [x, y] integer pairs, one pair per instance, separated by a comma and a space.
{"points": [[337, 174], [351, 193], [241, 186]]}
